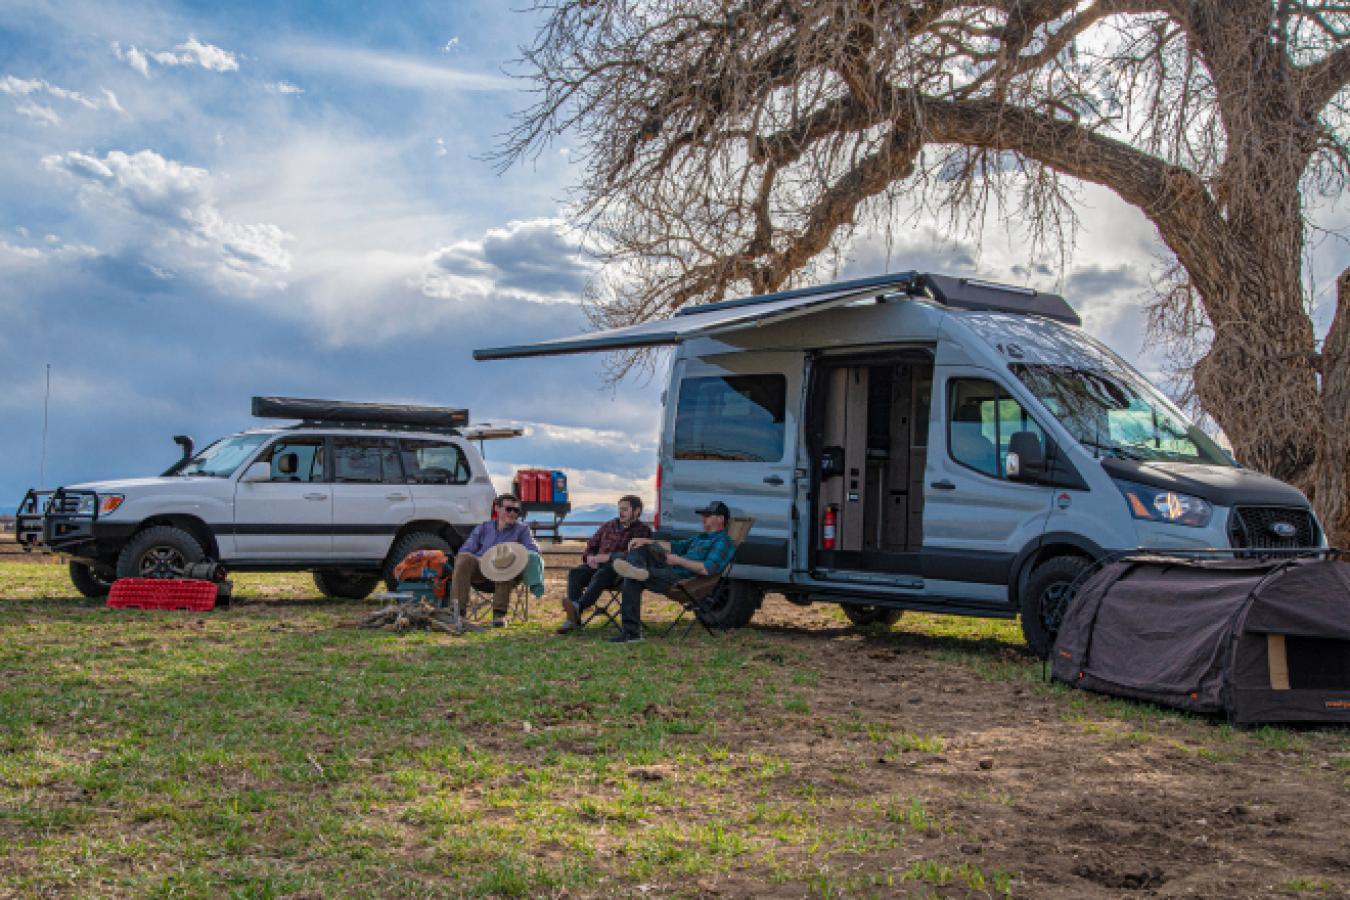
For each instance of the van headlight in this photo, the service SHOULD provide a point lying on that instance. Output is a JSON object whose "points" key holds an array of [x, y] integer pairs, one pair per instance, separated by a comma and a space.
{"points": [[1159, 505]]}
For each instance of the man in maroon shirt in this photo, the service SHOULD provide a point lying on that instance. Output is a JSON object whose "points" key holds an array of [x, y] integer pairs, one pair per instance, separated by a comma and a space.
{"points": [[586, 582]]}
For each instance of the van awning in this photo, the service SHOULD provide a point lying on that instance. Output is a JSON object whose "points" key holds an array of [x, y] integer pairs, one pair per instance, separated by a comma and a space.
{"points": [[712, 319]]}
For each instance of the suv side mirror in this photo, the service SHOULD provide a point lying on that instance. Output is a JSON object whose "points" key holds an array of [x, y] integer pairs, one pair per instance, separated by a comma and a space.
{"points": [[259, 471], [1025, 457]]}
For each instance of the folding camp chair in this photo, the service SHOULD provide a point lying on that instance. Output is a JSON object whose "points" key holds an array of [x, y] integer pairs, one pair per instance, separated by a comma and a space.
{"points": [[606, 608], [699, 595], [480, 602]]}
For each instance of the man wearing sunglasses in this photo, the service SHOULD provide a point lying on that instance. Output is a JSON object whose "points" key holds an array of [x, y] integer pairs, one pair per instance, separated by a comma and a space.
{"points": [[505, 527]]}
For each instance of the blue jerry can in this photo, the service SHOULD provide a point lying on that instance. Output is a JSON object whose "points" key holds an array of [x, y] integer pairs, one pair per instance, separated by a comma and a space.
{"points": [[559, 487]]}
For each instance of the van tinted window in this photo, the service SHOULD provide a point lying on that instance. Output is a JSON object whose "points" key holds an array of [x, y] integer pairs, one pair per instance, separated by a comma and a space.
{"points": [[736, 417], [982, 419]]}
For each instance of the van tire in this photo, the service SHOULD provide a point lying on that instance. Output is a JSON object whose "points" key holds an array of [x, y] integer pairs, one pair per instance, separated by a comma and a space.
{"points": [[161, 551], [93, 582], [871, 615], [1045, 598], [410, 543], [345, 584], [734, 603]]}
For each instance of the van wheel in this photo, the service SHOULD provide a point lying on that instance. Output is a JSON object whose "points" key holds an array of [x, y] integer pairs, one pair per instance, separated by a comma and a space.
{"points": [[411, 543], [159, 552], [1045, 599], [92, 581], [872, 615], [345, 584], [733, 604]]}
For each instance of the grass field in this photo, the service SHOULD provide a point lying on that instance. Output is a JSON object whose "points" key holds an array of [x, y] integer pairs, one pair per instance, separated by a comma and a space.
{"points": [[273, 750]]}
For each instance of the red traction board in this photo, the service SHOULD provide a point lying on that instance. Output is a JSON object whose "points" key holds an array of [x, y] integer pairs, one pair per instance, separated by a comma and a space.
{"points": [[163, 593]]}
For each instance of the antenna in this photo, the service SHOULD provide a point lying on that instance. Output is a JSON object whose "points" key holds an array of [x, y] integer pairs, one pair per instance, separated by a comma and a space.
{"points": [[46, 402]]}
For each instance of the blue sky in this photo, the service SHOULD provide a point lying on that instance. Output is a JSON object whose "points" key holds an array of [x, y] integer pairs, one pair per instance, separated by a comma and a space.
{"points": [[202, 202]]}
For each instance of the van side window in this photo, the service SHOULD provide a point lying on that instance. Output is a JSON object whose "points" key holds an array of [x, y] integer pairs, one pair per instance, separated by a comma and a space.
{"points": [[981, 420], [434, 462], [738, 418], [366, 460]]}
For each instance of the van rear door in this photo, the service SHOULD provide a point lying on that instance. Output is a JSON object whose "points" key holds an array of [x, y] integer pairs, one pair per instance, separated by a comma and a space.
{"points": [[731, 434]]}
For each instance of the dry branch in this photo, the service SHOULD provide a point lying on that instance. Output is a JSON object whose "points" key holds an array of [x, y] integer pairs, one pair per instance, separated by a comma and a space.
{"points": [[418, 614]]}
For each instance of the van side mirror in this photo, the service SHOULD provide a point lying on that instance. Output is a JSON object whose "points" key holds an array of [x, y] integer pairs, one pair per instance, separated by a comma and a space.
{"points": [[259, 471], [1026, 458]]}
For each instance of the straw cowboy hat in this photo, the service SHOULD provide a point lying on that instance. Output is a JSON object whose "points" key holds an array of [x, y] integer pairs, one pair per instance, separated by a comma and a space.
{"points": [[504, 562]]}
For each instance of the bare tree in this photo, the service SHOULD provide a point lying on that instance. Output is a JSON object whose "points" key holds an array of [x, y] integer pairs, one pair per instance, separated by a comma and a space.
{"points": [[729, 146]]}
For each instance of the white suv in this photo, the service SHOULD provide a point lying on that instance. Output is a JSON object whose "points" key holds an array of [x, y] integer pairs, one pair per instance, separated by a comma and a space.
{"points": [[346, 493]]}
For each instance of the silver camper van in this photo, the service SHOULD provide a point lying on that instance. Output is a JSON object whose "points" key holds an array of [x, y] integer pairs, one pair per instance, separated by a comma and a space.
{"points": [[926, 442]]}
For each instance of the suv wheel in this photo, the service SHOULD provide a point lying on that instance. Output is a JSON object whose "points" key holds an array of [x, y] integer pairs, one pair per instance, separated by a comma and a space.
{"points": [[345, 584], [92, 581], [159, 552], [410, 543], [734, 603], [872, 615], [1047, 596]]}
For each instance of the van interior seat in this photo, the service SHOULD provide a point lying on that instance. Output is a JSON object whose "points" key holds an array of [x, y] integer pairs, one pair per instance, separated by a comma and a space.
{"points": [[969, 445]]}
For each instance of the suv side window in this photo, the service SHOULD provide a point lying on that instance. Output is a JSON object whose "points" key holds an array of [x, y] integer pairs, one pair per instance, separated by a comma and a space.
{"points": [[366, 460], [434, 462], [981, 420], [296, 459]]}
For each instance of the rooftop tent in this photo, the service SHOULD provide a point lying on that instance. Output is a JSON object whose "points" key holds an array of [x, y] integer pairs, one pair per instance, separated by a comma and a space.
{"points": [[710, 319], [1261, 640]]}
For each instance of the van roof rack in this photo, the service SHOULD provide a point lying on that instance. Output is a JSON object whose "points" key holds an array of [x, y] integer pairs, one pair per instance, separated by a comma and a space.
{"points": [[949, 290], [348, 414]]}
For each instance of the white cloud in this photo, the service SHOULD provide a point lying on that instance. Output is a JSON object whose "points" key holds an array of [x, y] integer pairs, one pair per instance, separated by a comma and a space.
{"points": [[43, 115], [451, 45], [56, 250], [285, 87], [537, 259], [189, 230], [399, 71], [191, 52], [25, 91]]}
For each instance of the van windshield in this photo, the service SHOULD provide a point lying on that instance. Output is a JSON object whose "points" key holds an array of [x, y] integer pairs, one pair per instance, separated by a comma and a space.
{"points": [[1118, 413], [224, 456]]}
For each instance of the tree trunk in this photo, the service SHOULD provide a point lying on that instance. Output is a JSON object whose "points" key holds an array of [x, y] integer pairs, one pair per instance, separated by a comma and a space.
{"points": [[1331, 475]]}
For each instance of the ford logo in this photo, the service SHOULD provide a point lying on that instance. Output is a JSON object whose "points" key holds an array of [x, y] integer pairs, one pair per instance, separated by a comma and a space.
{"points": [[1283, 530]]}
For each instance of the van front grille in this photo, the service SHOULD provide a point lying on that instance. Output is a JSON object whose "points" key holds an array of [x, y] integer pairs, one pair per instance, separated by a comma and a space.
{"points": [[1272, 528]]}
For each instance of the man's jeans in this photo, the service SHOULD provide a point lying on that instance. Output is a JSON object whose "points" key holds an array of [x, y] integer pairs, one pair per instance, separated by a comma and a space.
{"points": [[660, 578], [585, 585]]}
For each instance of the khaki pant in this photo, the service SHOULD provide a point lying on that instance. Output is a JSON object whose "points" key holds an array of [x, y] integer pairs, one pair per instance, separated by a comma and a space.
{"points": [[467, 571]]}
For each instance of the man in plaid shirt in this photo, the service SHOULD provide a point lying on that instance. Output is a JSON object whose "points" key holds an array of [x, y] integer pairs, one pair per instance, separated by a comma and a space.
{"points": [[658, 565], [586, 582]]}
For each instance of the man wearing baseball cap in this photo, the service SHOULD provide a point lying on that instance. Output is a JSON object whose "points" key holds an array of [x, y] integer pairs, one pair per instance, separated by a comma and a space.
{"points": [[657, 565]]}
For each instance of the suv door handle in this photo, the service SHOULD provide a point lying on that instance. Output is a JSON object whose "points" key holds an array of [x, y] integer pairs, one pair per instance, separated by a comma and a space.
{"points": [[943, 485], [396, 496], [316, 496], [773, 479]]}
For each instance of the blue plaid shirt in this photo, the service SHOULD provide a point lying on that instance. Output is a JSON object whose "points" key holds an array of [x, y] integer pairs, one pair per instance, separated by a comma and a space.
{"points": [[712, 548]]}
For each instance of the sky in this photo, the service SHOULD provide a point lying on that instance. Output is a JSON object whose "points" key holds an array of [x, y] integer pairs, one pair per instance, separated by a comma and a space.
{"points": [[203, 202]]}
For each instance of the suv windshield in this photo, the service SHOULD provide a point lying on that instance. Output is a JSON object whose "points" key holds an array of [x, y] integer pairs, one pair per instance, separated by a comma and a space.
{"points": [[1119, 413], [224, 456]]}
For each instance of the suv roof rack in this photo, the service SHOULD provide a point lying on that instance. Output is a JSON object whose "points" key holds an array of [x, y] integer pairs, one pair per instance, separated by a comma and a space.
{"points": [[949, 290], [347, 414]]}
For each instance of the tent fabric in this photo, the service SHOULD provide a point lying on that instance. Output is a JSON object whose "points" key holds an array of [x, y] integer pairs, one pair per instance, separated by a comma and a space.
{"points": [[1260, 640]]}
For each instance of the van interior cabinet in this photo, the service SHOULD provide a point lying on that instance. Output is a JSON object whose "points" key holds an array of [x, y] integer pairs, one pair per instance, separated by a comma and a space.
{"points": [[873, 413]]}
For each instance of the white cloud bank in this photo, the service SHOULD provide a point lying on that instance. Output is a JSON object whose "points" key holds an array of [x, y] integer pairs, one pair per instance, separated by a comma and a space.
{"points": [[535, 259], [186, 230], [191, 52], [26, 92]]}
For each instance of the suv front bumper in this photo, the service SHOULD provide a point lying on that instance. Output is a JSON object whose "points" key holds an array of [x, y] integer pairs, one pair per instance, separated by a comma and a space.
{"points": [[52, 519]]}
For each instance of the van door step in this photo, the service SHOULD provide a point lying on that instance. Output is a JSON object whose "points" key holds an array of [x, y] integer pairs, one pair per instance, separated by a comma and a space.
{"points": [[885, 579]]}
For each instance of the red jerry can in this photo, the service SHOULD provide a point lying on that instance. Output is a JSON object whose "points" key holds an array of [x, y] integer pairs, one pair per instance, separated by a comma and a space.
{"points": [[525, 479], [543, 486]]}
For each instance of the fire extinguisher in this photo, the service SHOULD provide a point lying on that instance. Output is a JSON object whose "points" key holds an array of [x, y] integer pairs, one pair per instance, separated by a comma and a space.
{"points": [[831, 519]]}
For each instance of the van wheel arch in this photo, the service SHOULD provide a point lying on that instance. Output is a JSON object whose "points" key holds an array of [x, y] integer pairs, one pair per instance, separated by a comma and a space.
{"points": [[1042, 549]]}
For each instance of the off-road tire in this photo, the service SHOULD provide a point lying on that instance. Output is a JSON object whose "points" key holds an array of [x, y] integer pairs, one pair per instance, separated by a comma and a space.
{"points": [[158, 552], [733, 604], [410, 542], [1045, 599], [92, 581], [346, 584], [863, 616]]}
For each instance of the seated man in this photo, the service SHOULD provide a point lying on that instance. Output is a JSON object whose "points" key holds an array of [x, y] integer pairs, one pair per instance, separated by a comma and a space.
{"points": [[657, 565], [586, 582], [506, 527]]}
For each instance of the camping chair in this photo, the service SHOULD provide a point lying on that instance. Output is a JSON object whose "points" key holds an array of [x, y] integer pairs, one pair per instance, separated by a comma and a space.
{"points": [[698, 595], [607, 607], [480, 602]]}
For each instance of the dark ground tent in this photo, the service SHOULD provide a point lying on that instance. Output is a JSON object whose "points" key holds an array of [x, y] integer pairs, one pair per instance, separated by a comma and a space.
{"points": [[1260, 640]]}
